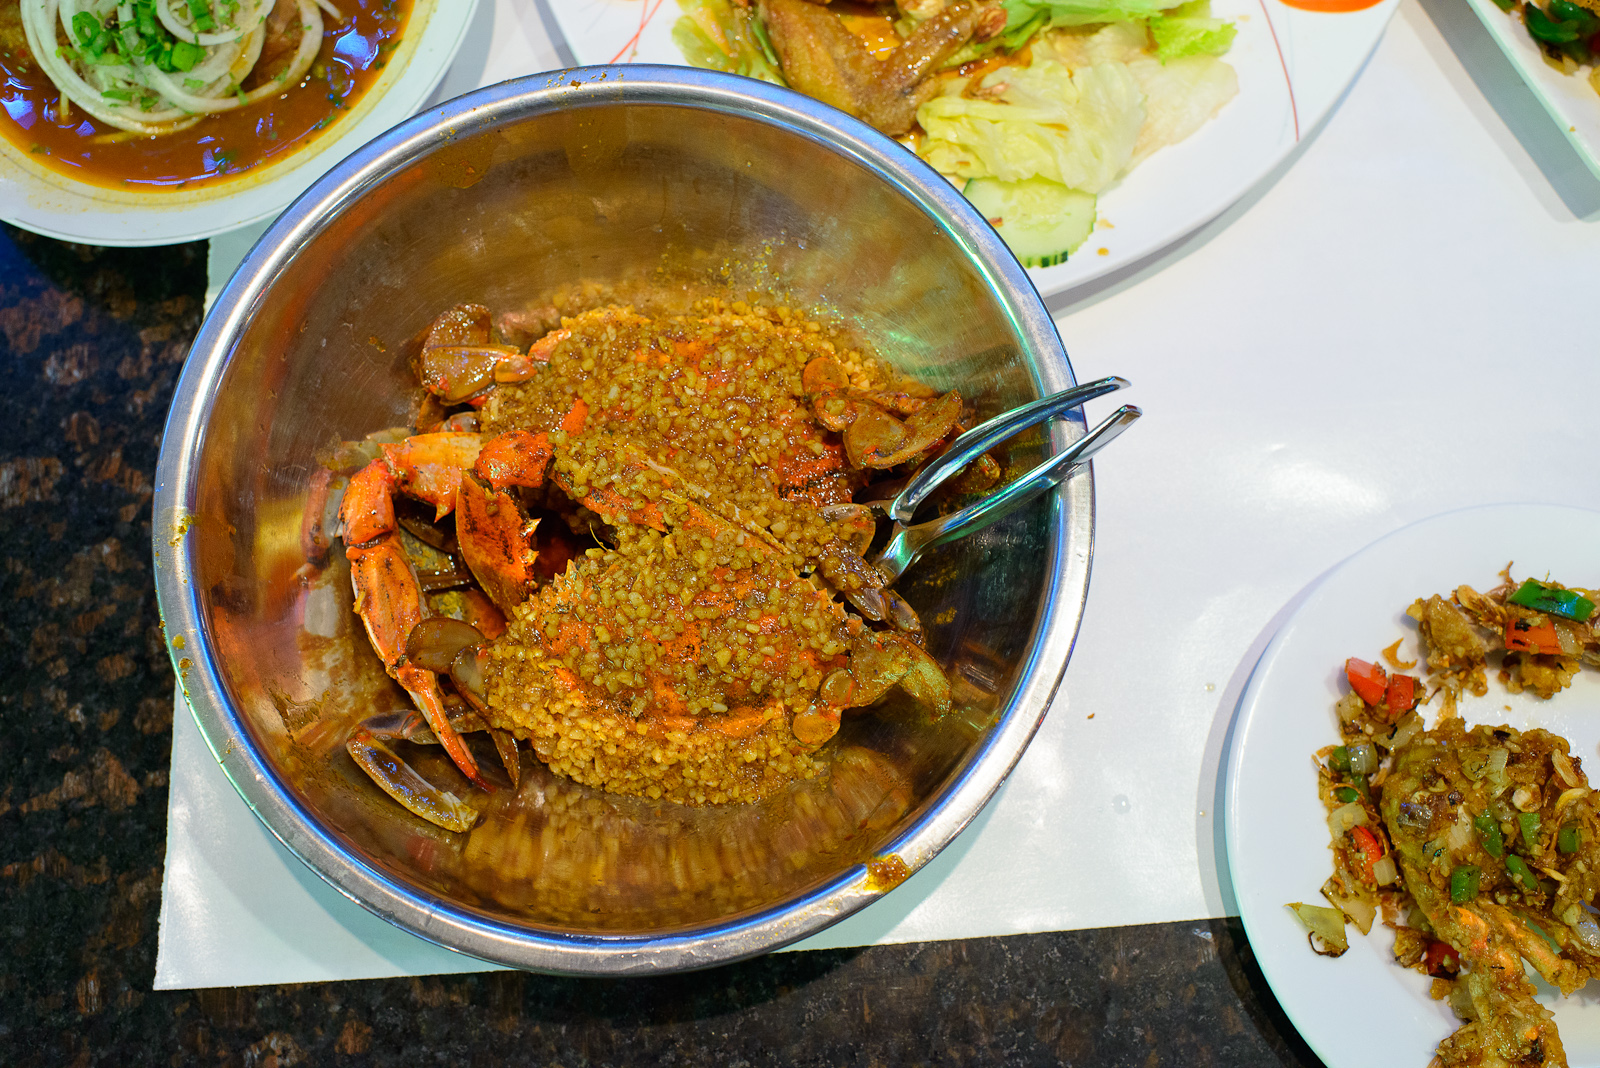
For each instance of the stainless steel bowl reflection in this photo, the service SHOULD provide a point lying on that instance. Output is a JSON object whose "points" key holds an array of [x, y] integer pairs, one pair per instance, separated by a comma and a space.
{"points": [[564, 188]]}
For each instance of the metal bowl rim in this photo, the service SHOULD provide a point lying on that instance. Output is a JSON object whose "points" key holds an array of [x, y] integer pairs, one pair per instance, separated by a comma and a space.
{"points": [[944, 813]]}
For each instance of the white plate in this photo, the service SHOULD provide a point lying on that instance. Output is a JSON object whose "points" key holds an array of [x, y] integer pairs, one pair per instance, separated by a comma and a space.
{"points": [[50, 203], [1570, 100], [1363, 1009], [1292, 66]]}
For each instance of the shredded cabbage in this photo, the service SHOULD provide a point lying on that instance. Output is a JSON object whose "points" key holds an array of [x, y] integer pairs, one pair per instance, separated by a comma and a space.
{"points": [[1189, 30], [1076, 127]]}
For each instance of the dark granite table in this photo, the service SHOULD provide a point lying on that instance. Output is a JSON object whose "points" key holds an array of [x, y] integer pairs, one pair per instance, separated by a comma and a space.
{"points": [[91, 342]]}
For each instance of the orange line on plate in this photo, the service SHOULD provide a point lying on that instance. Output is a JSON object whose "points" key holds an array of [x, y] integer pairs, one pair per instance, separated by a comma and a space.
{"points": [[1293, 108], [647, 11]]}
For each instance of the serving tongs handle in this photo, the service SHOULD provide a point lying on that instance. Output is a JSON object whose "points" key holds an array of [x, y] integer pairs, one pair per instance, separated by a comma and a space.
{"points": [[907, 543], [985, 436]]}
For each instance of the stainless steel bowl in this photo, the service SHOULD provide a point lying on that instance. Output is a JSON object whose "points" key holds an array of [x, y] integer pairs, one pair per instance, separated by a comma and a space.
{"points": [[508, 196]]}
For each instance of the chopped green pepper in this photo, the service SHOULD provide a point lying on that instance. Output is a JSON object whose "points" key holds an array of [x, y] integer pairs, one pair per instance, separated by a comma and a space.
{"points": [[1489, 834], [1464, 883], [1567, 838], [1528, 822], [1339, 759], [1544, 28], [1346, 794], [1521, 872], [1541, 598]]}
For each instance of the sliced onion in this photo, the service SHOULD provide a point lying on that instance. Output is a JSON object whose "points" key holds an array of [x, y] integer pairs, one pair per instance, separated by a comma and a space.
{"points": [[1341, 819], [1359, 909], [1363, 758], [1587, 930], [1326, 925]]}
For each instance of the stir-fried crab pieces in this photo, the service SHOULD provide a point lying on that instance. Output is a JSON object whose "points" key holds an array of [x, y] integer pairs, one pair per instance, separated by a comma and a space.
{"points": [[454, 472], [1542, 628], [695, 641], [1496, 834], [697, 653]]}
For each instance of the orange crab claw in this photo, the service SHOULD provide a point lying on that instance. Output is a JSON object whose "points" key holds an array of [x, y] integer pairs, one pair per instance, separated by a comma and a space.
{"points": [[389, 602], [367, 511], [494, 535], [429, 466], [517, 458], [495, 542]]}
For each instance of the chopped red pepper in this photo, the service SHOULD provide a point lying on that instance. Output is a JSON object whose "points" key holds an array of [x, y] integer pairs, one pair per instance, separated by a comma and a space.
{"points": [[1367, 680], [1524, 635], [1401, 695], [1442, 961], [1371, 851]]}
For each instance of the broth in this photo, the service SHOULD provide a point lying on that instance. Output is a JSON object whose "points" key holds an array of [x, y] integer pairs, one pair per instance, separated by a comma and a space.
{"points": [[354, 52]]}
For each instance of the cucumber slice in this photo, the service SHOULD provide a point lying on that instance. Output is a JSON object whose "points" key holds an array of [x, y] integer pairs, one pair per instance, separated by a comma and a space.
{"points": [[1041, 220]]}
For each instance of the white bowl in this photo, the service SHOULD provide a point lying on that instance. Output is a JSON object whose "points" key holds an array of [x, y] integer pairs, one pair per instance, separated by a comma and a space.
{"points": [[50, 203]]}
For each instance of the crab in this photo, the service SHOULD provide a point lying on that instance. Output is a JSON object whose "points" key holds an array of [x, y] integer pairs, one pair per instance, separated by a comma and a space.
{"points": [[657, 517]]}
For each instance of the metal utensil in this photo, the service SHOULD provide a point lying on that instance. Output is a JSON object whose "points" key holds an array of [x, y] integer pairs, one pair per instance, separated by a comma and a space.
{"points": [[983, 437], [906, 543]]}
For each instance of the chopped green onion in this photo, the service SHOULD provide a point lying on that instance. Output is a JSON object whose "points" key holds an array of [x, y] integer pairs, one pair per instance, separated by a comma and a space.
{"points": [[200, 10], [1489, 834], [186, 55], [1567, 838], [1521, 872], [1346, 794], [1528, 822], [1464, 883], [144, 20], [1541, 598], [87, 29], [116, 94], [1339, 759]]}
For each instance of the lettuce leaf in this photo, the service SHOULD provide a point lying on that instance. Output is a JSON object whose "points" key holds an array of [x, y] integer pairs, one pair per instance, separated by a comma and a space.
{"points": [[717, 35], [1076, 127], [1189, 30], [1082, 12]]}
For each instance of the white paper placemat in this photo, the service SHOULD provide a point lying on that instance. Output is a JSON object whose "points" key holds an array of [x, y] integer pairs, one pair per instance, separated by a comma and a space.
{"points": [[1352, 348]]}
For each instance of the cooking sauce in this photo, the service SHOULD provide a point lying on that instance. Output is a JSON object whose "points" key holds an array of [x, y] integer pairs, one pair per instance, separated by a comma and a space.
{"points": [[354, 52]]}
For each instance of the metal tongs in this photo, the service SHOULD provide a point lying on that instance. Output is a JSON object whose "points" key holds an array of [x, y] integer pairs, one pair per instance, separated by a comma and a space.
{"points": [[908, 541]]}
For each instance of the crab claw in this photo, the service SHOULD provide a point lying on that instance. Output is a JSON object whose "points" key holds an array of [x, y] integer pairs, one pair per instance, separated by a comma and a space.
{"points": [[369, 749], [878, 662], [490, 527], [389, 602]]}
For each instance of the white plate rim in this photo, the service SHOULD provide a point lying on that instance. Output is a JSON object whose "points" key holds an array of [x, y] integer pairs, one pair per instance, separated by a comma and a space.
{"points": [[70, 211], [1319, 996], [1568, 98], [1319, 55]]}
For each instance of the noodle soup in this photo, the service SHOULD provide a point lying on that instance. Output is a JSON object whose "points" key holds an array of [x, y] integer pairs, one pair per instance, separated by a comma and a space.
{"points": [[135, 105]]}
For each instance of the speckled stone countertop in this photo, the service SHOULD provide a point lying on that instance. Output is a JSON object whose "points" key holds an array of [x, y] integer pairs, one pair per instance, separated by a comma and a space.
{"points": [[91, 342]]}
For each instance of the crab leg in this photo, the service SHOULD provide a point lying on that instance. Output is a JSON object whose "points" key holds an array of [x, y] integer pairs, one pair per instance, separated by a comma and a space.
{"points": [[878, 662], [389, 599], [389, 602], [369, 749]]}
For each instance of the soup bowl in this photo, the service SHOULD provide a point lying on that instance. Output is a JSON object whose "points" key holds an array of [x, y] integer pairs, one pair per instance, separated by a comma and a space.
{"points": [[545, 193]]}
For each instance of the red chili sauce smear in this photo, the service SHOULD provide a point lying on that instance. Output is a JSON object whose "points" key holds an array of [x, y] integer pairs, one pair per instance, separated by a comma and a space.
{"points": [[226, 145], [1332, 5]]}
